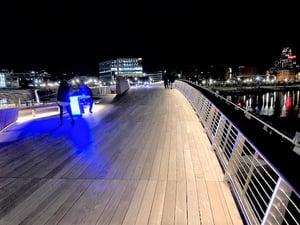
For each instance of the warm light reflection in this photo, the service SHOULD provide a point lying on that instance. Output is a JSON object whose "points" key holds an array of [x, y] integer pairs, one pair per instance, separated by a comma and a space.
{"points": [[283, 104]]}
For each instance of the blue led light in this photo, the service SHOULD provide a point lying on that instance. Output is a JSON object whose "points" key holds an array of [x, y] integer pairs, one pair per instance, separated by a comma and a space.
{"points": [[75, 107]]}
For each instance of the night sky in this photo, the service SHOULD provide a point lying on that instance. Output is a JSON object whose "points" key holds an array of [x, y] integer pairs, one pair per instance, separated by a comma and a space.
{"points": [[73, 36]]}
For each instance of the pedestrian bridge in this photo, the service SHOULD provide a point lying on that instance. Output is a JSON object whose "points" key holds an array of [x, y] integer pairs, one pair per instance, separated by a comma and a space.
{"points": [[140, 158]]}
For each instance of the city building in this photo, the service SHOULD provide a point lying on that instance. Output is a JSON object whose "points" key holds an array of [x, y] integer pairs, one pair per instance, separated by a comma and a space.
{"points": [[285, 68], [124, 67], [287, 60], [10, 79]]}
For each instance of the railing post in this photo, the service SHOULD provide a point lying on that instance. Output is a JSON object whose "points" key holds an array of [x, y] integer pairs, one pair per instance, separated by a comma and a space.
{"points": [[231, 169], [278, 204], [33, 112]]}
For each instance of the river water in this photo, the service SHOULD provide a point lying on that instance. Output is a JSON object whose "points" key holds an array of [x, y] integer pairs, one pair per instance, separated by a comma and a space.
{"points": [[279, 108]]}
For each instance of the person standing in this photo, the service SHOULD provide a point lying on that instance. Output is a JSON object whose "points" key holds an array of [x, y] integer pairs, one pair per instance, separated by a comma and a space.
{"points": [[172, 81], [63, 100], [166, 80]]}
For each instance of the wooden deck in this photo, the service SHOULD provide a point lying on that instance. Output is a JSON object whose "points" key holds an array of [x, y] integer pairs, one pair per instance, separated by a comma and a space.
{"points": [[140, 159]]}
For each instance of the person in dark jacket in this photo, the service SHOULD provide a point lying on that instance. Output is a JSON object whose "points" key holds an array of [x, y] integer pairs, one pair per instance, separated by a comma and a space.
{"points": [[166, 80], [86, 91], [63, 100]]}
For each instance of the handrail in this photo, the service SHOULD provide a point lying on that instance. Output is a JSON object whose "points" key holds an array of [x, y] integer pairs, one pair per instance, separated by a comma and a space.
{"points": [[35, 109], [262, 193]]}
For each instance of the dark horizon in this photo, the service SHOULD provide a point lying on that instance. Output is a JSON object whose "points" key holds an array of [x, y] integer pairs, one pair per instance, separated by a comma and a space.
{"points": [[63, 37]]}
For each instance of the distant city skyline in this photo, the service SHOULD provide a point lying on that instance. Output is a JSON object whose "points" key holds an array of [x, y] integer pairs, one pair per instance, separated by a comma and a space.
{"points": [[93, 68]]}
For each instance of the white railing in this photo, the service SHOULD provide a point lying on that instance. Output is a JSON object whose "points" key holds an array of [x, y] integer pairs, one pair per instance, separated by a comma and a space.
{"points": [[262, 194]]}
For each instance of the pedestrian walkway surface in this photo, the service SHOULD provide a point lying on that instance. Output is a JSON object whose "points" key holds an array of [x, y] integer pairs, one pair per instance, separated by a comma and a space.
{"points": [[141, 158]]}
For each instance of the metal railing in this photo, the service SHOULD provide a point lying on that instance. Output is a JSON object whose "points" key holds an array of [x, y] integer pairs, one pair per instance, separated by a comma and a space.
{"points": [[263, 195]]}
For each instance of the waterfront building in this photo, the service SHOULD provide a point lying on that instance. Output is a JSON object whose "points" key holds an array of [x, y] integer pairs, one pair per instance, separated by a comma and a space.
{"points": [[285, 68], [247, 70], [124, 67], [286, 75], [287, 60], [10, 79]]}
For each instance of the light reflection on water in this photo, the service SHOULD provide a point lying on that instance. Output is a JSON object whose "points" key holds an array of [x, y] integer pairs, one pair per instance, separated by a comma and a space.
{"points": [[276, 103], [280, 108]]}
